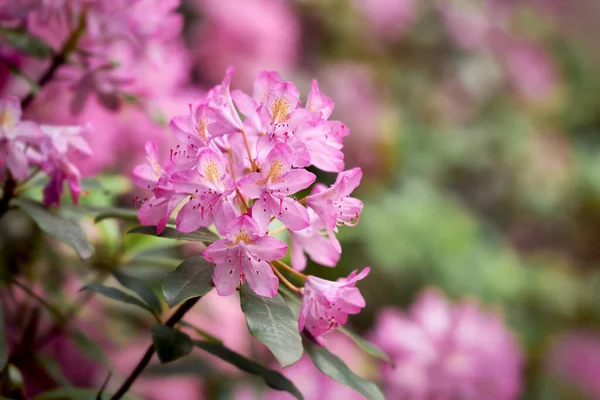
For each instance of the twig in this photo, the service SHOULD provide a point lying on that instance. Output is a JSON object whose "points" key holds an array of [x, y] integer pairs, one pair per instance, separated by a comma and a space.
{"points": [[174, 319], [103, 387], [284, 280]]}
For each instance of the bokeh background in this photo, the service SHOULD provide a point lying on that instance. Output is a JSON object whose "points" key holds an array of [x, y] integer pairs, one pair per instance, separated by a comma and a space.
{"points": [[476, 124]]}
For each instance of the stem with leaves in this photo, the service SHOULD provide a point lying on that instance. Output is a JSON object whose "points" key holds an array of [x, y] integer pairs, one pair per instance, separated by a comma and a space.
{"points": [[171, 322]]}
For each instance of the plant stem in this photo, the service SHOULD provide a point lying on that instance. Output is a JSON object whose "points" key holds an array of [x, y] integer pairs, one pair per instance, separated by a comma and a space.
{"points": [[59, 59], [278, 230], [291, 270], [252, 165], [174, 319], [283, 279]]}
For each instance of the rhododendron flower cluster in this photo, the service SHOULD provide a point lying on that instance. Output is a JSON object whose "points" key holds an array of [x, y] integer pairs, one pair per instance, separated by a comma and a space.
{"points": [[448, 352], [242, 174], [52, 149]]}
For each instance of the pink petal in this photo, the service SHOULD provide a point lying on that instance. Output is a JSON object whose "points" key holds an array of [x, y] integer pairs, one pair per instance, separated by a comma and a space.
{"points": [[291, 213], [260, 277], [226, 277], [249, 184], [268, 248]]}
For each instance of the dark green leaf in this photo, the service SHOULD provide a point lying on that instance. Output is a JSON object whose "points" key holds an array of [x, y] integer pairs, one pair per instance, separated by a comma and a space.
{"points": [[333, 366], [271, 321], [114, 212], [365, 345], [192, 278], [272, 378], [170, 343], [3, 347], [201, 235], [141, 288], [72, 393], [25, 42], [62, 229], [116, 294]]}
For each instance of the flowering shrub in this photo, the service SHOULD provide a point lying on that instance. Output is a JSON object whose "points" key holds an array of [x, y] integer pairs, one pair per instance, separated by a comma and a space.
{"points": [[234, 273], [241, 174]]}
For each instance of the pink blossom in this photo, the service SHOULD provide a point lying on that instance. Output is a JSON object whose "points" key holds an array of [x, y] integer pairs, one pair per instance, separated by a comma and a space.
{"points": [[334, 206], [208, 187], [15, 138], [313, 242], [243, 255], [59, 148], [326, 304], [271, 187], [530, 69], [445, 351], [389, 19]]}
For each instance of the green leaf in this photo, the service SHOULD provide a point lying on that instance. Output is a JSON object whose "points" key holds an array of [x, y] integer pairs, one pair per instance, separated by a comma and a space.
{"points": [[192, 278], [170, 343], [116, 294], [366, 346], [62, 229], [141, 288], [128, 214], [272, 378], [72, 393], [3, 347], [333, 366], [271, 321], [25, 42], [201, 235]]}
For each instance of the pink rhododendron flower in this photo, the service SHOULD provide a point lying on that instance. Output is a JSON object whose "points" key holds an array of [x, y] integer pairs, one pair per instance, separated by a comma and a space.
{"points": [[208, 187], [313, 242], [445, 351], [15, 137], [334, 206], [272, 186], [243, 255], [326, 304], [240, 175], [52, 148], [60, 146]]}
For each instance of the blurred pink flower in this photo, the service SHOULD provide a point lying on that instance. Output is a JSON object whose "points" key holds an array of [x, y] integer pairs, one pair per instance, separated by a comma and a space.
{"points": [[251, 35], [326, 304], [530, 69], [446, 352], [473, 24], [575, 358], [389, 19]]}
